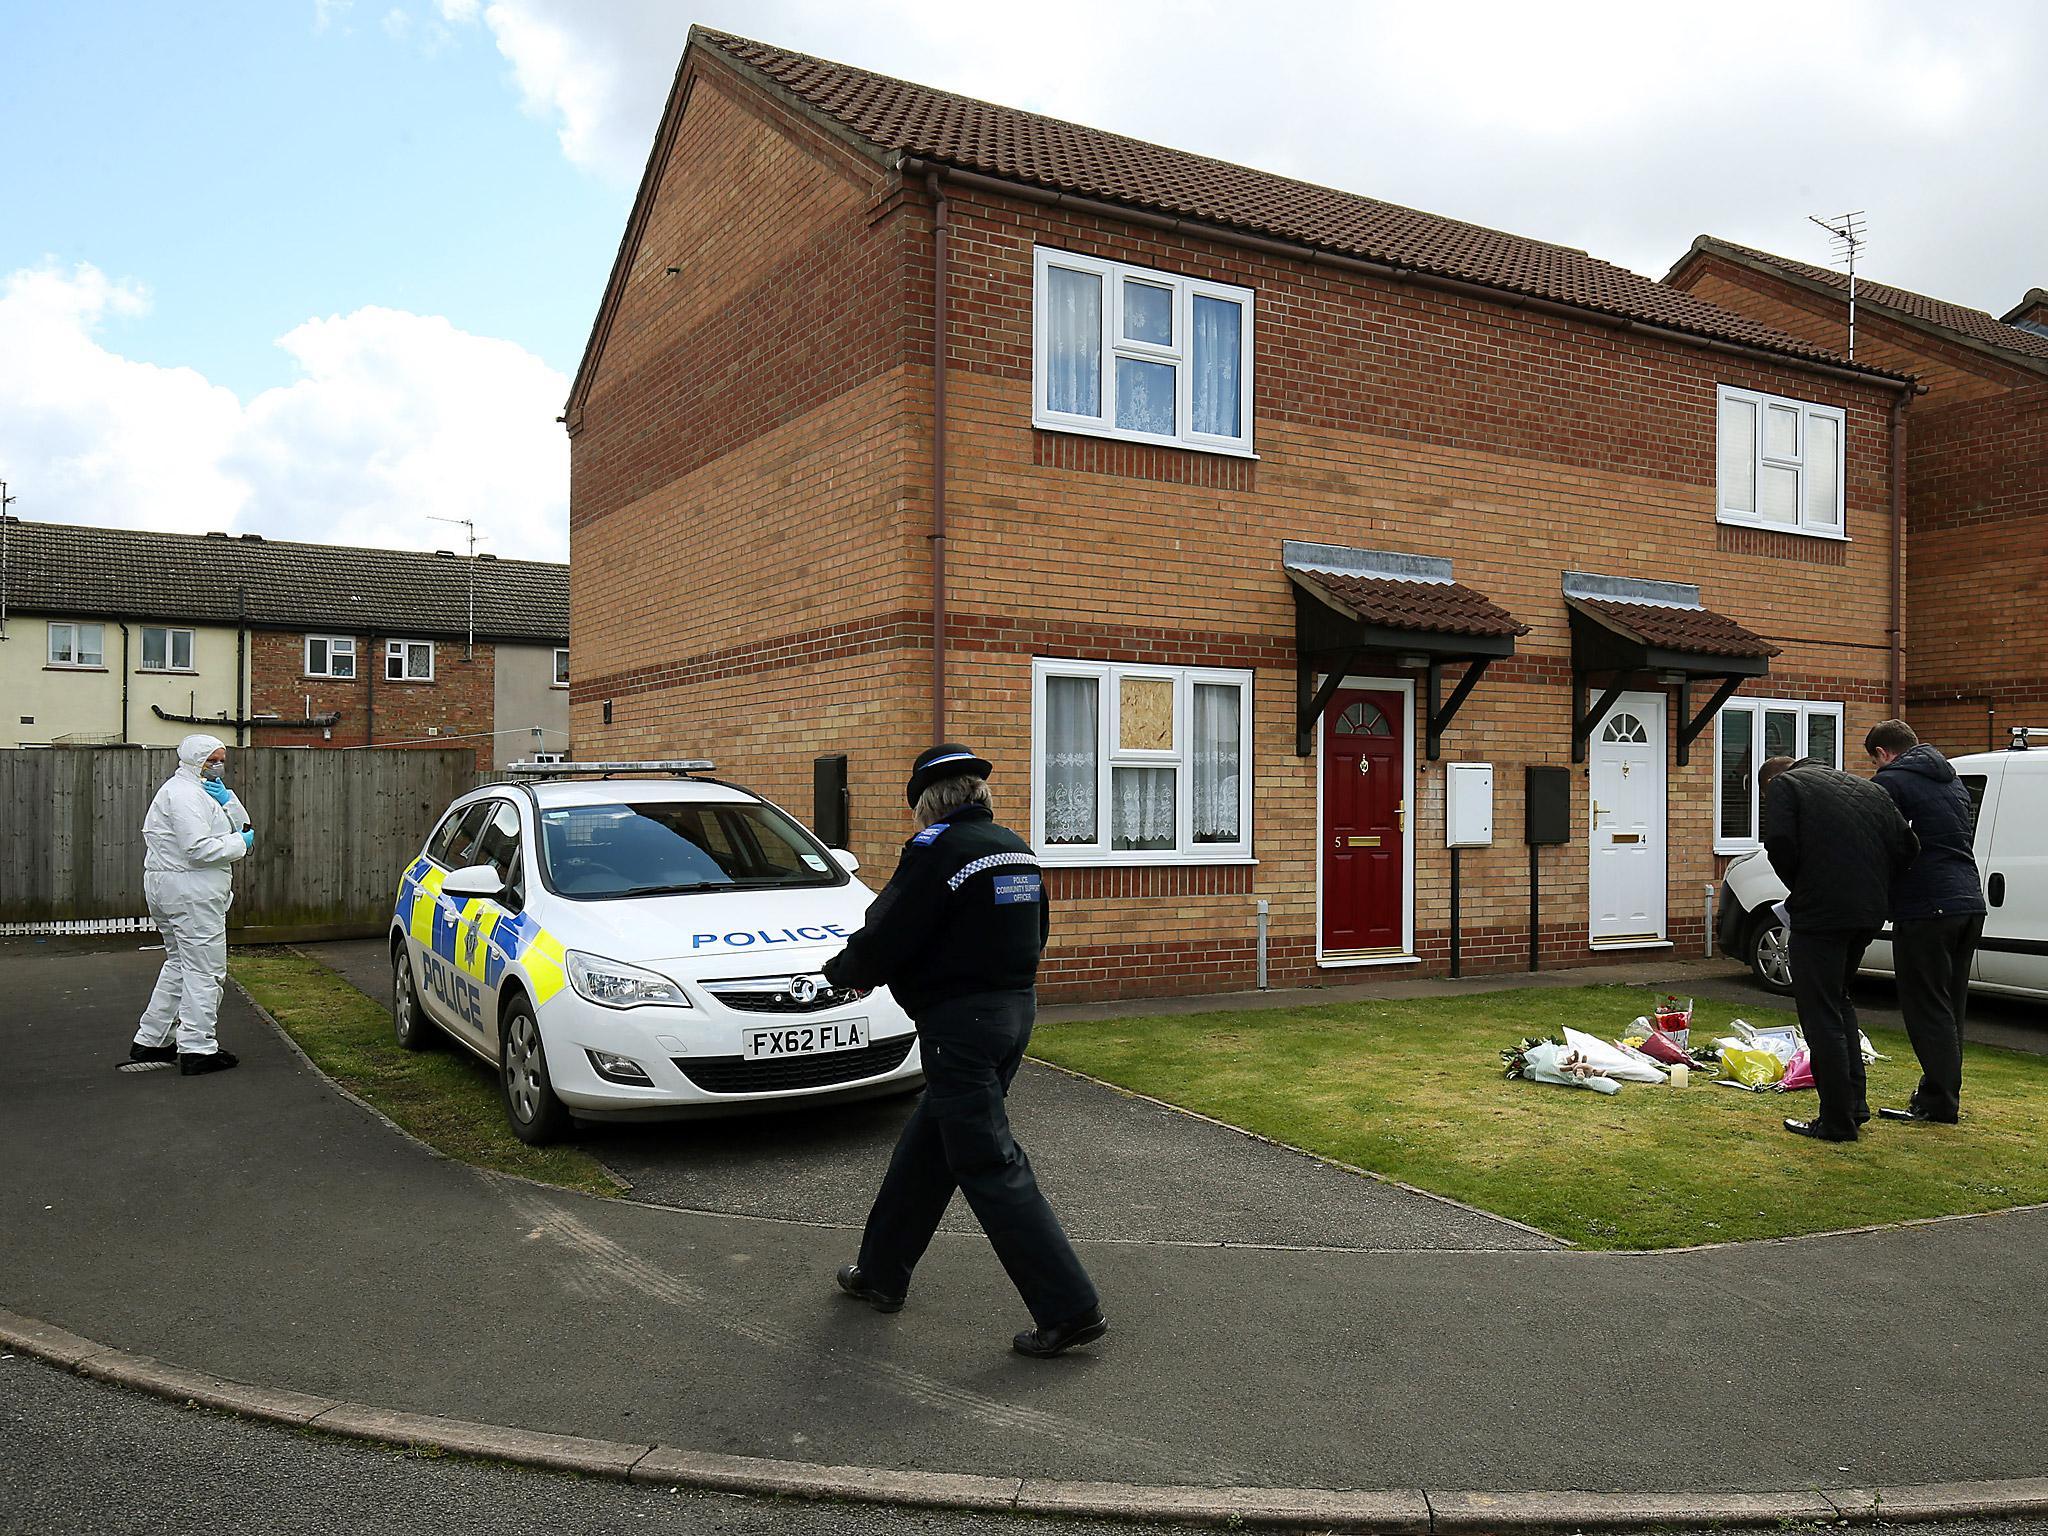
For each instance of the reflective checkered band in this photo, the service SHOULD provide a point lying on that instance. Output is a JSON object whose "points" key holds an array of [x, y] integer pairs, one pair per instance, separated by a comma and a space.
{"points": [[967, 872]]}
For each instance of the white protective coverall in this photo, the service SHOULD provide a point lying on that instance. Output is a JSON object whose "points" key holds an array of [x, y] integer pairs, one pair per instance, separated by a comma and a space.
{"points": [[191, 843]]}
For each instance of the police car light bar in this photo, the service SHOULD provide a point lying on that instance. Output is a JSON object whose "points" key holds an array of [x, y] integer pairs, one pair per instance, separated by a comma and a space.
{"points": [[2024, 735], [678, 765]]}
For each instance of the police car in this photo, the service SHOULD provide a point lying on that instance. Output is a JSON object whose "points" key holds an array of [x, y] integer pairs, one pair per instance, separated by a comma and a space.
{"points": [[639, 941]]}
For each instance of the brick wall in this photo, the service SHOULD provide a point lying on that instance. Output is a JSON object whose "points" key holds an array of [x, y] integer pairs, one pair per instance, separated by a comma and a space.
{"points": [[1977, 509], [458, 703], [753, 578]]}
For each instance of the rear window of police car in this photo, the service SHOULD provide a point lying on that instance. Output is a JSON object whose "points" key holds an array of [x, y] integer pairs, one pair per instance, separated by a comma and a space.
{"points": [[672, 847]]}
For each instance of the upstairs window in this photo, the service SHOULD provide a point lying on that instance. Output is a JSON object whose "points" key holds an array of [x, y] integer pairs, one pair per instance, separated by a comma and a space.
{"points": [[78, 645], [409, 661], [166, 650], [1748, 733], [561, 666], [1779, 464], [1130, 353], [330, 656]]}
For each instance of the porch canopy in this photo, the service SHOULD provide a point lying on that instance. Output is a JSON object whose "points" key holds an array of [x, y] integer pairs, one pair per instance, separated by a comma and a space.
{"points": [[1628, 632], [1403, 610]]}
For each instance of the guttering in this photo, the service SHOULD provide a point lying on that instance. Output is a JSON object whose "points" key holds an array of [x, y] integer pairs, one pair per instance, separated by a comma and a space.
{"points": [[242, 700], [1195, 229], [124, 684], [940, 277]]}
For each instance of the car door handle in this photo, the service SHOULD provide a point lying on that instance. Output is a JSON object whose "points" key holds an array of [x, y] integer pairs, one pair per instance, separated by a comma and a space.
{"points": [[1995, 890]]}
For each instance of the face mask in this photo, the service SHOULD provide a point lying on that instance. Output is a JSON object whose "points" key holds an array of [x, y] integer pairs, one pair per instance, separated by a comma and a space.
{"points": [[213, 771]]}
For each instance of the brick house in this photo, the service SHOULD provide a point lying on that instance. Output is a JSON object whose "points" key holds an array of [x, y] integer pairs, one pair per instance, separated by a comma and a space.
{"points": [[116, 635], [1239, 512], [1976, 456]]}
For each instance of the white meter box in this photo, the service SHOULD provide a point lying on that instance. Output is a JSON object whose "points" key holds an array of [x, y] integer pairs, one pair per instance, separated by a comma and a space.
{"points": [[1468, 805]]}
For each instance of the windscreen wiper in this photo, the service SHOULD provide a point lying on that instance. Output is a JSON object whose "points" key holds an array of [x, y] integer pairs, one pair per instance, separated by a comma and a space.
{"points": [[672, 890]]}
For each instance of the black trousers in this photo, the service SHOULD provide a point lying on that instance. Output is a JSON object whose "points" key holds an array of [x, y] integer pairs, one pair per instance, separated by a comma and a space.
{"points": [[1932, 957], [1823, 967], [959, 1137]]}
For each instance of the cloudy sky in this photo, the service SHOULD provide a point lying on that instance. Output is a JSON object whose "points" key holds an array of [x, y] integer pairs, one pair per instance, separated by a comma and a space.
{"points": [[322, 268]]}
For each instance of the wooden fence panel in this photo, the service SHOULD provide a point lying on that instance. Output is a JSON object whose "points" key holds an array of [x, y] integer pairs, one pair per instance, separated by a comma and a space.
{"points": [[334, 830]]}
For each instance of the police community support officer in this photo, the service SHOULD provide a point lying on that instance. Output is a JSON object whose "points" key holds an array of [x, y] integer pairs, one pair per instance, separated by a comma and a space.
{"points": [[956, 936]]}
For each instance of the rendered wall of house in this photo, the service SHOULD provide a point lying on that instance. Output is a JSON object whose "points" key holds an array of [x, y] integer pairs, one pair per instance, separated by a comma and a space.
{"points": [[85, 704], [524, 696]]}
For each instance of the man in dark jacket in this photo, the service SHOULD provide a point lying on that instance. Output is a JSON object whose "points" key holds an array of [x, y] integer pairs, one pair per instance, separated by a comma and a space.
{"points": [[956, 935], [1937, 914], [1838, 843]]}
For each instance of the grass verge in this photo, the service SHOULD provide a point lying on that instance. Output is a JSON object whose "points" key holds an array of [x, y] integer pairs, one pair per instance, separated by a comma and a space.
{"points": [[1413, 1090], [446, 1097]]}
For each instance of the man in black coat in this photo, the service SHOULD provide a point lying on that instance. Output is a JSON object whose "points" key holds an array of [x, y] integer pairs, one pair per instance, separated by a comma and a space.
{"points": [[1937, 914], [1838, 843], [956, 936]]}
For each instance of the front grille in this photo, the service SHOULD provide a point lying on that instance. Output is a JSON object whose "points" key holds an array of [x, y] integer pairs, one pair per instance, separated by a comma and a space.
{"points": [[735, 1074], [775, 1001]]}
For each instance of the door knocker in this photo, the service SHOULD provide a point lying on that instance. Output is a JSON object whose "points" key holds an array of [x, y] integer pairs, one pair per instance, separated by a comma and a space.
{"points": [[1365, 765], [1624, 770]]}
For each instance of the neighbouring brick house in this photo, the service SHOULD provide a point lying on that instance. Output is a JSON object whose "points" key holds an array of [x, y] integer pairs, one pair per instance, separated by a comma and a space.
{"points": [[1976, 476], [117, 635], [1255, 508]]}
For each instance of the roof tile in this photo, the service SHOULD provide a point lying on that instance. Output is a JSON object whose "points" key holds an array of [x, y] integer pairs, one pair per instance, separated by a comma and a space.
{"points": [[900, 116], [1440, 607], [1671, 628]]}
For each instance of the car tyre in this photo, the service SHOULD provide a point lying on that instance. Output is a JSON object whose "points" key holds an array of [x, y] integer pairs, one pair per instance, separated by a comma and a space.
{"points": [[410, 1025], [537, 1116], [1768, 953]]}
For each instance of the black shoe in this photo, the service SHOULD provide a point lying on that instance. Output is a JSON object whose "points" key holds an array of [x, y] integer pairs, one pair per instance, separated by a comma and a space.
{"points": [[140, 1052], [1818, 1131], [1047, 1342], [190, 1065], [1915, 1113], [850, 1282]]}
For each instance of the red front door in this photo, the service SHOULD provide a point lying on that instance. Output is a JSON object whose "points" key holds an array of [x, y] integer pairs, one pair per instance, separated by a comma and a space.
{"points": [[1364, 823]]}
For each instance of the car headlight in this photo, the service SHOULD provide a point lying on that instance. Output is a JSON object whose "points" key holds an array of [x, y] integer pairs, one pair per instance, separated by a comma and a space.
{"points": [[614, 984]]}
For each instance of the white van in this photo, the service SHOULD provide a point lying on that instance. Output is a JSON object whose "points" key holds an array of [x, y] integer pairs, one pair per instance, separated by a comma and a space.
{"points": [[2010, 791]]}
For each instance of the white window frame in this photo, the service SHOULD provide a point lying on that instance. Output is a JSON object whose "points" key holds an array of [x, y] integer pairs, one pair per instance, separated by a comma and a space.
{"points": [[1107, 677], [1763, 459], [561, 667], [76, 646], [343, 644], [1185, 291], [1756, 708], [170, 634], [401, 650]]}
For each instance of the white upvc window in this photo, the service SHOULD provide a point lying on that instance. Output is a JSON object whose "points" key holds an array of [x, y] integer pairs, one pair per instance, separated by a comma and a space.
{"points": [[409, 661], [561, 666], [1140, 765], [166, 650], [1779, 463], [330, 656], [1747, 733], [78, 645], [1143, 356]]}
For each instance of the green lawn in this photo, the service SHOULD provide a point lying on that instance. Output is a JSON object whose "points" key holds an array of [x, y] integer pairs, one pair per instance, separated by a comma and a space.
{"points": [[1413, 1090], [446, 1097]]}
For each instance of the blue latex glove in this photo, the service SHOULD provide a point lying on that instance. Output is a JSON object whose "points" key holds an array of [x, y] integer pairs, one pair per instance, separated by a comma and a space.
{"points": [[215, 788], [249, 837]]}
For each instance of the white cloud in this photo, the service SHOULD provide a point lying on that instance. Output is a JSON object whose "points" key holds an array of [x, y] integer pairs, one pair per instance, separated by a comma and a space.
{"points": [[1619, 127], [393, 417]]}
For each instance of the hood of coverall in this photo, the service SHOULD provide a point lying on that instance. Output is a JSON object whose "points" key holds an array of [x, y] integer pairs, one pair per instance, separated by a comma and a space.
{"points": [[195, 749]]}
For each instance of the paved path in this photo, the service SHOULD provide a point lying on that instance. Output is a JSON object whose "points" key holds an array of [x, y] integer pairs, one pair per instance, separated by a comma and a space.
{"points": [[256, 1225]]}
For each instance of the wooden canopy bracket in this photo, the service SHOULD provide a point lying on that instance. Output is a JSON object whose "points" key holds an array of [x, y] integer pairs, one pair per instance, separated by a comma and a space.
{"points": [[1310, 702], [1583, 719], [1442, 711], [1690, 724]]}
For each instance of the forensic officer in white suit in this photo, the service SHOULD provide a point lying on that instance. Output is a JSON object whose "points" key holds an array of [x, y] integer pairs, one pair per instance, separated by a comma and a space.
{"points": [[195, 831]]}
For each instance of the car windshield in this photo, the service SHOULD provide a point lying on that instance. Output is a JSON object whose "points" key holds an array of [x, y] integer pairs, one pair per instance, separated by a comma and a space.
{"points": [[666, 847]]}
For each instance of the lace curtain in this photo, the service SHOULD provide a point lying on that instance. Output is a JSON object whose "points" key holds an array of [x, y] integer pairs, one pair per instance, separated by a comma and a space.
{"points": [[1214, 742], [1142, 808], [1217, 355], [1073, 342], [1071, 717]]}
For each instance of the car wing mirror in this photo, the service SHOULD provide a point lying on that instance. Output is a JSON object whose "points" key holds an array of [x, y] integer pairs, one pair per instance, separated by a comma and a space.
{"points": [[474, 880], [845, 861]]}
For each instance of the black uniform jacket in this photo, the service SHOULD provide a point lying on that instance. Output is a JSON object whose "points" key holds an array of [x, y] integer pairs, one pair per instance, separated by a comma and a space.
{"points": [[1838, 843], [1943, 881], [965, 912]]}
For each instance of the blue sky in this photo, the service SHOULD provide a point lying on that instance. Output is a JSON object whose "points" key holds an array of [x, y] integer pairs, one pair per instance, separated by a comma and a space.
{"points": [[255, 167], [323, 268]]}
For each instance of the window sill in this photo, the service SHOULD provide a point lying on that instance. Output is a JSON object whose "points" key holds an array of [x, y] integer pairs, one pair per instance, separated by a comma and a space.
{"points": [[408, 682], [327, 677], [166, 671], [1143, 439], [67, 666], [1734, 850], [1789, 529], [1155, 861]]}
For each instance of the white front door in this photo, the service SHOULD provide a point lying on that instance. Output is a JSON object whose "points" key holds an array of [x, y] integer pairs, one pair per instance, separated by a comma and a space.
{"points": [[1626, 821]]}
